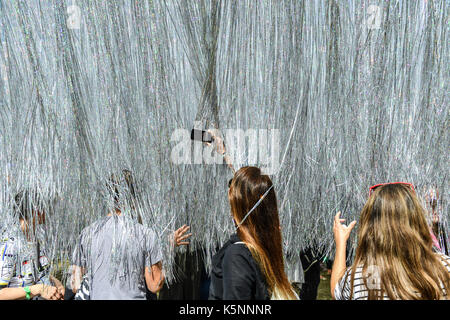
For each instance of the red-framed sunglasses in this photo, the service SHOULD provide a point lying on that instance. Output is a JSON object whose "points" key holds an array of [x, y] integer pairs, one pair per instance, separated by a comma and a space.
{"points": [[383, 184]]}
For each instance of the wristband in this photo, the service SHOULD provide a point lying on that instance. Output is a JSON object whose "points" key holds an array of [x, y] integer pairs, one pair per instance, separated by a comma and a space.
{"points": [[28, 293]]}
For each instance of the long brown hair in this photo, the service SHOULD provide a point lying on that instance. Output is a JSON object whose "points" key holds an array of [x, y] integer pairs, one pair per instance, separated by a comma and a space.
{"points": [[394, 238], [261, 229]]}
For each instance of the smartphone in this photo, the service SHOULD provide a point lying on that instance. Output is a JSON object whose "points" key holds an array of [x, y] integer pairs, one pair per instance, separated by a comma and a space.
{"points": [[200, 135]]}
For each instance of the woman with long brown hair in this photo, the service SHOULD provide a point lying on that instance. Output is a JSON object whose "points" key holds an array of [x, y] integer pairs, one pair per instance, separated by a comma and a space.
{"points": [[250, 265], [394, 256]]}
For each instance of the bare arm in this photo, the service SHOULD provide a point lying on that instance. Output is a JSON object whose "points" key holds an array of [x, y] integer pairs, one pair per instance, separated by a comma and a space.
{"points": [[76, 277], [154, 278], [229, 163], [339, 267], [341, 235], [42, 290]]}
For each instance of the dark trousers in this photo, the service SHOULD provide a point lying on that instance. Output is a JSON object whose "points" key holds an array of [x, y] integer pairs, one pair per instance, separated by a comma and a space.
{"points": [[311, 269], [193, 280]]}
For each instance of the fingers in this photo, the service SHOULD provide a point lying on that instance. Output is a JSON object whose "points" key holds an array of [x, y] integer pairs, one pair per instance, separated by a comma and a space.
{"points": [[337, 217], [59, 287], [214, 134], [181, 238], [49, 293], [338, 222], [179, 235], [56, 294], [182, 229], [352, 225]]}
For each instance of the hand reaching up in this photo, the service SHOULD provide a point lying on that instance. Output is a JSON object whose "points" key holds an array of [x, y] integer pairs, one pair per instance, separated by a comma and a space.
{"points": [[218, 143], [341, 231]]}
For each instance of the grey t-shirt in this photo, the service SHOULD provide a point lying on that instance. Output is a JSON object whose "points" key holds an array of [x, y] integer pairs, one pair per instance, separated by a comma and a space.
{"points": [[114, 252]]}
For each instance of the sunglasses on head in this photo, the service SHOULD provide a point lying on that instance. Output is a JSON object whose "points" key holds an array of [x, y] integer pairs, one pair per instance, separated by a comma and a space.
{"points": [[372, 188]]}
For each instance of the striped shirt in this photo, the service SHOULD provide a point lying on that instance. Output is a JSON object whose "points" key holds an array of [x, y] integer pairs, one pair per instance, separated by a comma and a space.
{"points": [[18, 267], [342, 290]]}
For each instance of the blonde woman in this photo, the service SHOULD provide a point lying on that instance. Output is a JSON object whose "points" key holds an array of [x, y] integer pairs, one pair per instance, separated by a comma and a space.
{"points": [[250, 265], [394, 256]]}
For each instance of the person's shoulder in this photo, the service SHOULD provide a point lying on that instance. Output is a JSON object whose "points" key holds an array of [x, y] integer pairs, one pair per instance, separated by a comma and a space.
{"points": [[91, 228], [144, 231], [87, 229]]}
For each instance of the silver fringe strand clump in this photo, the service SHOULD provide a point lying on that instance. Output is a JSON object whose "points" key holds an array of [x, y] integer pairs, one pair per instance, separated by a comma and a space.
{"points": [[357, 89]]}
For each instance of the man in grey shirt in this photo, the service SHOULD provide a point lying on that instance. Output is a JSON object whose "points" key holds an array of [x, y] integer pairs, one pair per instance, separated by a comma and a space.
{"points": [[120, 257]]}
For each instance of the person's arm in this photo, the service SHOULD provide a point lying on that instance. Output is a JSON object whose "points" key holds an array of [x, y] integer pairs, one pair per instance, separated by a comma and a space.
{"points": [[37, 290], [154, 277], [239, 278], [78, 267], [341, 235], [76, 277]]}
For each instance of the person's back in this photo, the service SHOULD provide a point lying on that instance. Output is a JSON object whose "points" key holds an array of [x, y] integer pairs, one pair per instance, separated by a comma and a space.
{"points": [[115, 251], [394, 257], [235, 263], [251, 264]]}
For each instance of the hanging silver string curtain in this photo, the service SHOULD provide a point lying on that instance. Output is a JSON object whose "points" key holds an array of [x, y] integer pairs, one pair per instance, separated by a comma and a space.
{"points": [[357, 90]]}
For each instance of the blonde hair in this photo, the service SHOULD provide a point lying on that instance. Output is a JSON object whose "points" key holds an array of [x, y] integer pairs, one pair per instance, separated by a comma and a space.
{"points": [[394, 238]]}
